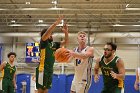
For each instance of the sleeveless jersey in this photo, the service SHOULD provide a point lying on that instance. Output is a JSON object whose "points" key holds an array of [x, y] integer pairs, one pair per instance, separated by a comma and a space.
{"points": [[83, 68], [47, 50], [106, 69], [9, 71], [2, 74]]}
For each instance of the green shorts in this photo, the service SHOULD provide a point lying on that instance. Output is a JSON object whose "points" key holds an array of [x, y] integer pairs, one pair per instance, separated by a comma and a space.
{"points": [[47, 79], [113, 90], [7, 86]]}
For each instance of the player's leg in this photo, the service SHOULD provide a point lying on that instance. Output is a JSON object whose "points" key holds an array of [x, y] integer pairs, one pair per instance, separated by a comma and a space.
{"points": [[73, 89], [83, 87], [38, 86], [105, 90], [0, 85], [11, 87], [45, 91], [47, 80], [36, 89], [5, 85], [40, 90], [118, 90]]}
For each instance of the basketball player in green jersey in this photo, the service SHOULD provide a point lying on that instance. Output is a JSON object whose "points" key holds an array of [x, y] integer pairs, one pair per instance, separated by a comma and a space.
{"points": [[9, 82], [112, 68], [44, 71]]}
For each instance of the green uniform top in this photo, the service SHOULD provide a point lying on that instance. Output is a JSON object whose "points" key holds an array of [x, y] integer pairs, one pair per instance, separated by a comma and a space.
{"points": [[9, 71], [106, 69], [47, 50]]}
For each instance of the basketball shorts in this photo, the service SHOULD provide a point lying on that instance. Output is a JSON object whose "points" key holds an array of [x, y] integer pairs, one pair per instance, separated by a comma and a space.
{"points": [[1, 84], [45, 78], [113, 90], [35, 87], [7, 86], [80, 87]]}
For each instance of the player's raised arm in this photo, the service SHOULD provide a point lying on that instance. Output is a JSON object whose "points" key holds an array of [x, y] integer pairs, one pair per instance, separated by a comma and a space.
{"points": [[2, 66], [48, 32], [65, 30]]}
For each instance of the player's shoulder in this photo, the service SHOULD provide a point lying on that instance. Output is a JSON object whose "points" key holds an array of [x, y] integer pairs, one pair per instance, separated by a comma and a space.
{"points": [[4, 62], [118, 59], [99, 59], [90, 48]]}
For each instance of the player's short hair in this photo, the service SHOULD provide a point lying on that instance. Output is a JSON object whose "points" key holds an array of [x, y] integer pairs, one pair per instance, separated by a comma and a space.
{"points": [[113, 45], [11, 53], [82, 32], [43, 31]]}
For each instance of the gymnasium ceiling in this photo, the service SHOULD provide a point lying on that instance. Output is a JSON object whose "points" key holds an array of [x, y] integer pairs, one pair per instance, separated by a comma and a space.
{"points": [[95, 16]]}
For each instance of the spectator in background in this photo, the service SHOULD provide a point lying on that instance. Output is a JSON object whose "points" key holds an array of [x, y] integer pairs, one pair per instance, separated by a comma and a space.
{"points": [[9, 81]]}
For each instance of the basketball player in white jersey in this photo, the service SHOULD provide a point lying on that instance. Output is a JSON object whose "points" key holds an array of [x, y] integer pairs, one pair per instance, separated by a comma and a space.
{"points": [[137, 81], [83, 55]]}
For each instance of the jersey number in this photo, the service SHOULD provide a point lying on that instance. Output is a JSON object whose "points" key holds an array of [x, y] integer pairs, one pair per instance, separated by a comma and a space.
{"points": [[106, 73], [78, 62]]}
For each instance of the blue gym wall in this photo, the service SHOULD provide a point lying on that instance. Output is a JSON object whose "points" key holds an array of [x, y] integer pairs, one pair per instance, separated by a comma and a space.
{"points": [[20, 78], [62, 83]]}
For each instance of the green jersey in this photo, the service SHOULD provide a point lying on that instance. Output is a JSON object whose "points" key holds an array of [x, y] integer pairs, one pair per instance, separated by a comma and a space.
{"points": [[47, 60], [106, 69], [9, 71], [47, 50]]}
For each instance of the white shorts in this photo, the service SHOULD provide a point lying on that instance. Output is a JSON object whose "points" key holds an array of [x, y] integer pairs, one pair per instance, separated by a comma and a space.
{"points": [[80, 87], [0, 84], [35, 87]]}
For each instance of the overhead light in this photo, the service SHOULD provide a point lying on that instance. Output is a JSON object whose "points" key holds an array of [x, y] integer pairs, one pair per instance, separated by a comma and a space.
{"points": [[38, 9], [118, 25], [16, 25], [40, 21], [135, 25], [124, 25], [132, 8], [29, 9], [62, 22], [54, 1], [27, 3], [127, 5], [13, 21], [55, 8], [35, 25], [3, 9], [42, 25]]}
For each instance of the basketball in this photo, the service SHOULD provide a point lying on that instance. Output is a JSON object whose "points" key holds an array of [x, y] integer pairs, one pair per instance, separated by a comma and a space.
{"points": [[61, 55]]}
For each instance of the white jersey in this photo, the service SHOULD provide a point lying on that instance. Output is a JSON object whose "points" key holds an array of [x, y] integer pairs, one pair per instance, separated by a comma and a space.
{"points": [[139, 73], [83, 74], [83, 68]]}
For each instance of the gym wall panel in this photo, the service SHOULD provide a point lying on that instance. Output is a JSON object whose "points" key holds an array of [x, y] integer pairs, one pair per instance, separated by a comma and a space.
{"points": [[23, 79], [69, 79], [130, 58], [6, 39], [6, 49], [62, 84]]}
